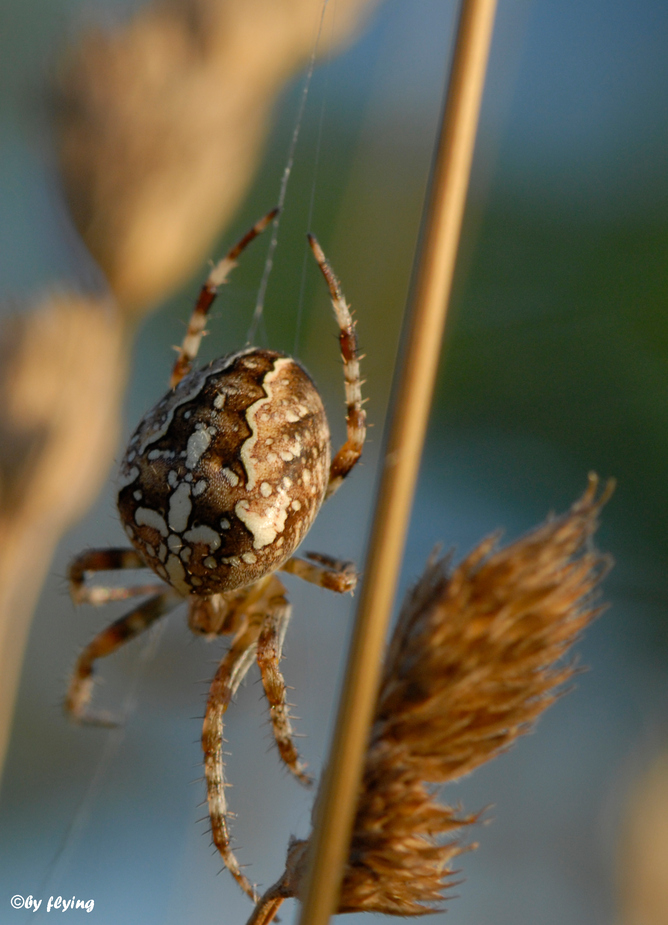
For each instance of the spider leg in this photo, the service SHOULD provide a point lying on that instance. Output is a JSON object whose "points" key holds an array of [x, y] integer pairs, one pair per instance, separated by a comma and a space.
{"points": [[230, 674], [106, 560], [113, 637], [269, 650], [334, 574], [351, 450], [217, 276]]}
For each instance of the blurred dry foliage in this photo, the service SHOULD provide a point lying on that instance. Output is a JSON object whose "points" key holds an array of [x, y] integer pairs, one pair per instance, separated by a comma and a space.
{"points": [[62, 368], [159, 130], [643, 850], [476, 657], [161, 124]]}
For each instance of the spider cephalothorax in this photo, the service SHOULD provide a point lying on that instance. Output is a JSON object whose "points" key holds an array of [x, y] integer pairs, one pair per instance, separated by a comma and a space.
{"points": [[218, 486]]}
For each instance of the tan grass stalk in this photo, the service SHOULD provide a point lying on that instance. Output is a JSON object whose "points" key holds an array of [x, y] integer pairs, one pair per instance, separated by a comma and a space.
{"points": [[415, 383], [642, 846], [476, 657]]}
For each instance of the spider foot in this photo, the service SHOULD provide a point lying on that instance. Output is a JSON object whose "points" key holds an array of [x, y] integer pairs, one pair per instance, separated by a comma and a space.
{"points": [[77, 701], [102, 719], [232, 865], [341, 575], [299, 772], [333, 574]]}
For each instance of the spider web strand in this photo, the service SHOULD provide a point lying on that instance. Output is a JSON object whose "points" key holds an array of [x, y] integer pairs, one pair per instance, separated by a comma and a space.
{"points": [[259, 305]]}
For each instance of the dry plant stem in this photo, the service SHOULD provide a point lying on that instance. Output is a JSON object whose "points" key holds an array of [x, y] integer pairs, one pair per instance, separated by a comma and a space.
{"points": [[335, 809], [642, 846], [266, 909], [476, 656]]}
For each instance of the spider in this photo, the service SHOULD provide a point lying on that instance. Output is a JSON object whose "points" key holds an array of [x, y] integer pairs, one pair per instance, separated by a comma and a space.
{"points": [[218, 486]]}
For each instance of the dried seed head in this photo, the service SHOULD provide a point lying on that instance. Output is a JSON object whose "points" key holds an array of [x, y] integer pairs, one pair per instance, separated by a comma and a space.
{"points": [[475, 658], [161, 122]]}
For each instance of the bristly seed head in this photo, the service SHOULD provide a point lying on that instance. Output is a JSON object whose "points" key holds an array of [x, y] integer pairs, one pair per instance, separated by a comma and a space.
{"points": [[475, 658]]}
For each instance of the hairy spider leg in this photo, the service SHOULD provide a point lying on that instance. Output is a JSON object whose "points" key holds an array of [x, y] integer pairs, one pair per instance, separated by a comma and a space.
{"points": [[217, 276], [231, 672], [351, 450], [256, 616], [269, 652], [333, 574], [106, 560], [109, 640]]}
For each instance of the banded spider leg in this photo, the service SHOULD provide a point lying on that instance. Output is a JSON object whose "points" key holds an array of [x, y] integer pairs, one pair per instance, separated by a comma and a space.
{"points": [[218, 486]]}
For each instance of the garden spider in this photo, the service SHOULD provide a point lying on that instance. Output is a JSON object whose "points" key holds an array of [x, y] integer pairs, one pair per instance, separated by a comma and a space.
{"points": [[218, 486]]}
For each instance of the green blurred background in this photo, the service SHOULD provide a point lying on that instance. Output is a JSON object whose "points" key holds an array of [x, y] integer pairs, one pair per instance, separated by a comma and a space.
{"points": [[555, 364]]}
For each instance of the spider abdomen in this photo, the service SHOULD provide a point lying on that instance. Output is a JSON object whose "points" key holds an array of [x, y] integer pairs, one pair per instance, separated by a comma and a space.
{"points": [[224, 477]]}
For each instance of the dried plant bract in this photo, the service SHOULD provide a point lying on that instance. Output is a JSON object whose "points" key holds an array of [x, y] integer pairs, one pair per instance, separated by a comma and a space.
{"points": [[476, 657]]}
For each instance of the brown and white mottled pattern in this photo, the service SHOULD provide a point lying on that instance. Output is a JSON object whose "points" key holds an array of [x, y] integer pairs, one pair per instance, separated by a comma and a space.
{"points": [[218, 486], [213, 492]]}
